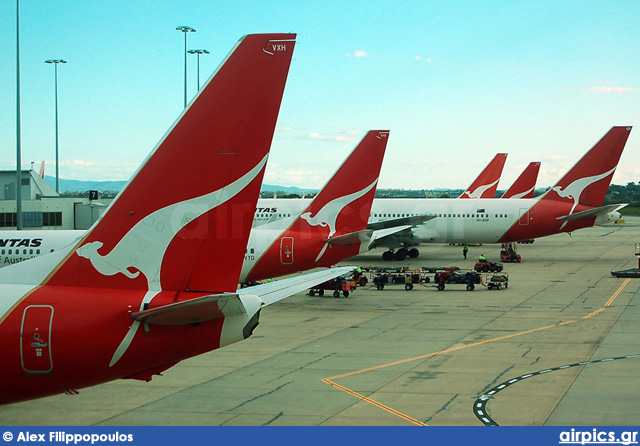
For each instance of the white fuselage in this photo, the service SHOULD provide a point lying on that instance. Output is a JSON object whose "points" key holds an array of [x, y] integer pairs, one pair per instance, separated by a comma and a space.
{"points": [[17, 246]]}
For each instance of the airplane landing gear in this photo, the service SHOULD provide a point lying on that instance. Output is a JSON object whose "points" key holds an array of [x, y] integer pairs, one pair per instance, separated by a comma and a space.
{"points": [[400, 254]]}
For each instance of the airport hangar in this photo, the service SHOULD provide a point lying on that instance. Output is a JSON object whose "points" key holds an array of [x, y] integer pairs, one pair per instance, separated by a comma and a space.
{"points": [[42, 207]]}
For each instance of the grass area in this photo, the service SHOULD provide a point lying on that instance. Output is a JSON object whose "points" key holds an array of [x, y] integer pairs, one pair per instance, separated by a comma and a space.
{"points": [[634, 211]]}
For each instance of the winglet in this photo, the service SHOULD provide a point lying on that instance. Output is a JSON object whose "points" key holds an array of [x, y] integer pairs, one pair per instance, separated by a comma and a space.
{"points": [[486, 185]]}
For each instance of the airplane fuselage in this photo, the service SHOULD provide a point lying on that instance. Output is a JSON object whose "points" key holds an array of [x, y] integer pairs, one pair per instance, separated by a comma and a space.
{"points": [[471, 221]]}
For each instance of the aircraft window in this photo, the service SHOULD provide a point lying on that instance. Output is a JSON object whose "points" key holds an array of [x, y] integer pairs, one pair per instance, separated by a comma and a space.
{"points": [[458, 215], [38, 251], [31, 251], [2, 252], [10, 252], [253, 250], [52, 250]]}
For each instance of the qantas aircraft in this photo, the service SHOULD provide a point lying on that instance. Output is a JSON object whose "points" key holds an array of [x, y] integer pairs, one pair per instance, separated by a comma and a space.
{"points": [[17, 246], [574, 202], [525, 184], [486, 185], [154, 281], [332, 228]]}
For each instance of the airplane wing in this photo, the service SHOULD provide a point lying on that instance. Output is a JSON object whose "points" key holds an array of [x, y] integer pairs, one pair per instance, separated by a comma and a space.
{"points": [[275, 291], [396, 222], [592, 212], [351, 238], [192, 311], [382, 233]]}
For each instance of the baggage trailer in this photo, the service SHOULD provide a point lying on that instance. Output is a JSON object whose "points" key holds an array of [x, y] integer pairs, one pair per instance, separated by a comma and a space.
{"points": [[341, 285], [468, 278]]}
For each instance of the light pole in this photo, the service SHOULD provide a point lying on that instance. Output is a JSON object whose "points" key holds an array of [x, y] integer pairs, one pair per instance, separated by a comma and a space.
{"points": [[185, 30], [198, 52], [18, 154], [56, 62]]}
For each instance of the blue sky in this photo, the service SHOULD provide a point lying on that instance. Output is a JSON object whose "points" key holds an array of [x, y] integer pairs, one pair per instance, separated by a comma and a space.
{"points": [[454, 81]]}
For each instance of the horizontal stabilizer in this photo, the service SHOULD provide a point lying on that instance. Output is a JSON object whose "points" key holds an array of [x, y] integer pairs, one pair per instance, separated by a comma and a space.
{"points": [[273, 292], [352, 238], [592, 212], [192, 311], [395, 222]]}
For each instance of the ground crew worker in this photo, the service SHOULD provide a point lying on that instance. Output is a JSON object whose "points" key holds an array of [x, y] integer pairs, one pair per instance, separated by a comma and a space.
{"points": [[465, 250], [482, 259]]}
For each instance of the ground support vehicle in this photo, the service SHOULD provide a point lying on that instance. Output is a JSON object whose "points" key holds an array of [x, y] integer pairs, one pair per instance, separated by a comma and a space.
{"points": [[468, 278], [341, 285], [509, 253], [385, 276], [497, 281], [486, 266]]}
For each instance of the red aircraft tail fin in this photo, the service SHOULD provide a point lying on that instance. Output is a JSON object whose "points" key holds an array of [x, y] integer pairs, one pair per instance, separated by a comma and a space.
{"points": [[344, 203], [588, 180], [486, 185], [173, 227], [524, 186], [341, 207]]}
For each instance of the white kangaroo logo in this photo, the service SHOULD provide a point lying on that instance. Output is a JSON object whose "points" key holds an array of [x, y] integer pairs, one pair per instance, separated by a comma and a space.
{"points": [[328, 214], [523, 193], [144, 246], [575, 189], [480, 190]]}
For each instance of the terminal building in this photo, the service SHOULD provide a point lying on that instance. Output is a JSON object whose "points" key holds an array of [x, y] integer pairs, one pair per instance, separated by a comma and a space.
{"points": [[43, 207]]}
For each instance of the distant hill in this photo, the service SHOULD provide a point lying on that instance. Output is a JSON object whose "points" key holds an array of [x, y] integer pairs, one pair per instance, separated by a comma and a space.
{"points": [[102, 186], [82, 186]]}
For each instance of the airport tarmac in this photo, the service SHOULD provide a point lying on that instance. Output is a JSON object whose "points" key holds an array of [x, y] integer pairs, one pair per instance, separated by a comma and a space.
{"points": [[420, 357]]}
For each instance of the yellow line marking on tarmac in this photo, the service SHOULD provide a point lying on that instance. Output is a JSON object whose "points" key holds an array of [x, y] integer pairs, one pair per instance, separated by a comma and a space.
{"points": [[449, 350], [375, 403], [593, 314], [617, 292]]}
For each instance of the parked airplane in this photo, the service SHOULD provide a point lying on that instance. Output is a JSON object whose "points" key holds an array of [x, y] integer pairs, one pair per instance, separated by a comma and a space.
{"points": [[17, 246], [574, 202], [154, 281], [486, 185], [525, 184], [332, 228]]}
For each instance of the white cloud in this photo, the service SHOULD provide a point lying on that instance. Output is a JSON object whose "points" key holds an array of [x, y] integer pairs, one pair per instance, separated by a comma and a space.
{"points": [[423, 59], [358, 53]]}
